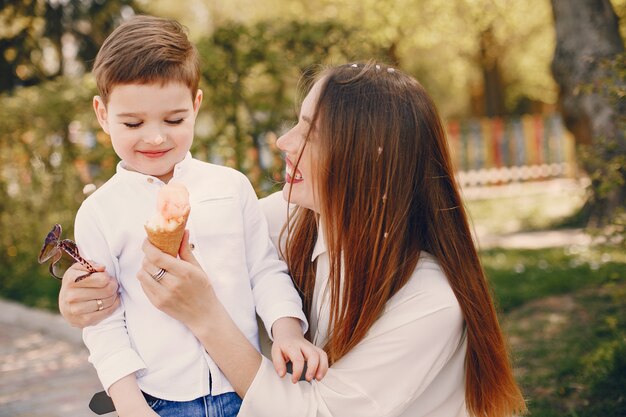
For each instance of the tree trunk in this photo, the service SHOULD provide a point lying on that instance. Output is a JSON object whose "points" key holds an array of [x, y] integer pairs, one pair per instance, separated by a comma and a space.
{"points": [[587, 36], [492, 74]]}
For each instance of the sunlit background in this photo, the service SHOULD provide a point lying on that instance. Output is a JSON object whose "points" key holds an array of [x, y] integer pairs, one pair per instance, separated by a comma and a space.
{"points": [[544, 182]]}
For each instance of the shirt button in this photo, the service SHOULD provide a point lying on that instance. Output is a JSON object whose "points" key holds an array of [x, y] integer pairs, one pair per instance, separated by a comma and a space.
{"points": [[192, 246], [150, 180]]}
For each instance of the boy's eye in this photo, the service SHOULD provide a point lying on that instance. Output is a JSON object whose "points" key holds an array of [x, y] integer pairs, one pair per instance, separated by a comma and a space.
{"points": [[133, 125], [174, 122]]}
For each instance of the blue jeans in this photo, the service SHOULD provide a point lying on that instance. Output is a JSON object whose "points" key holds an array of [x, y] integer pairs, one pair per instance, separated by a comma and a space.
{"points": [[225, 405]]}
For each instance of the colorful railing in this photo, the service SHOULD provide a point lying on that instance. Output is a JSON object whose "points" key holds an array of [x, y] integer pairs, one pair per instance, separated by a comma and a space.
{"points": [[491, 151]]}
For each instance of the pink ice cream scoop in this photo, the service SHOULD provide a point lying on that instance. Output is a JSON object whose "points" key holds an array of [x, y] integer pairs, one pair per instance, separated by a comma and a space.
{"points": [[172, 202], [166, 228]]}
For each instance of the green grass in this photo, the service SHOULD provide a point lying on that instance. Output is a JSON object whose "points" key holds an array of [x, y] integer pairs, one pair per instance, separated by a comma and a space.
{"points": [[519, 276], [564, 313]]}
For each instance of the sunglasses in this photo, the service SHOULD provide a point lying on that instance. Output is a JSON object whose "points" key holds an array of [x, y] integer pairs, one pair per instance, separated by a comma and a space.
{"points": [[63, 253]]}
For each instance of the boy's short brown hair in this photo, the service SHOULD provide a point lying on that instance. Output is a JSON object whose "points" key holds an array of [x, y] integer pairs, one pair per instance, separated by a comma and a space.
{"points": [[147, 49]]}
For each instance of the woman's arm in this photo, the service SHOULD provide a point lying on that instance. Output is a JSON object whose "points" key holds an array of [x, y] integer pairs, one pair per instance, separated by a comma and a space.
{"points": [[186, 294], [414, 343], [411, 363]]}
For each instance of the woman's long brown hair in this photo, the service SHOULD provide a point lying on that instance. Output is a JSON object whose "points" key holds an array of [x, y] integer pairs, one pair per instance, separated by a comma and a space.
{"points": [[387, 192]]}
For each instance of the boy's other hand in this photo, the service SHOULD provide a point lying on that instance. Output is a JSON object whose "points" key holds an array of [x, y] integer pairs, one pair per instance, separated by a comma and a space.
{"points": [[290, 345]]}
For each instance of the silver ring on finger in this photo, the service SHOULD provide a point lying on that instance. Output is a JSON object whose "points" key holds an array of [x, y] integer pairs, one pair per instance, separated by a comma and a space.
{"points": [[158, 275], [100, 304]]}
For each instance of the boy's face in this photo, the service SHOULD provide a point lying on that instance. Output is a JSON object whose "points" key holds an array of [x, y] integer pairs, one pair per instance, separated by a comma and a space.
{"points": [[151, 125]]}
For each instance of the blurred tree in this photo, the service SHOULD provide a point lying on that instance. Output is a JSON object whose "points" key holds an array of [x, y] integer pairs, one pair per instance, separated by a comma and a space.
{"points": [[47, 142], [587, 38], [249, 78], [41, 39], [620, 9], [46, 138], [476, 57], [53, 152]]}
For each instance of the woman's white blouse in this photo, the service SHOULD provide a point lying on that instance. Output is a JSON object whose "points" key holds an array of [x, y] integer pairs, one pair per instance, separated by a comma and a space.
{"points": [[410, 363]]}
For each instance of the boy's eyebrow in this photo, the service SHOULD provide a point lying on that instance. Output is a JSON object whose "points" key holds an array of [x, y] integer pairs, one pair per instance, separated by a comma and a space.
{"points": [[143, 114], [178, 111]]}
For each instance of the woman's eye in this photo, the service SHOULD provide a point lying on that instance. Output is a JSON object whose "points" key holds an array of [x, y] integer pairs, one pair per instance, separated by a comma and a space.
{"points": [[287, 125], [174, 122], [133, 125]]}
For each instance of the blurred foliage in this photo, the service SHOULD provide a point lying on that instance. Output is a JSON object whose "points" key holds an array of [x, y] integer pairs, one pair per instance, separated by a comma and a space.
{"points": [[253, 56], [250, 83], [605, 161], [42, 39], [54, 153], [605, 366], [437, 41], [43, 168]]}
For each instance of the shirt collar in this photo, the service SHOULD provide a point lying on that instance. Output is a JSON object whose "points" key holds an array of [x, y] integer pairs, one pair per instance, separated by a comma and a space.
{"points": [[179, 169]]}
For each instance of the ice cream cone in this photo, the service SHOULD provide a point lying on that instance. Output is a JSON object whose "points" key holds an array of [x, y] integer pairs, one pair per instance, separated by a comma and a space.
{"points": [[167, 240]]}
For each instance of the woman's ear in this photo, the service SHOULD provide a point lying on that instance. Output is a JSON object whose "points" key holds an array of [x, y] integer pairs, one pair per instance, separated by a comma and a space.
{"points": [[101, 113]]}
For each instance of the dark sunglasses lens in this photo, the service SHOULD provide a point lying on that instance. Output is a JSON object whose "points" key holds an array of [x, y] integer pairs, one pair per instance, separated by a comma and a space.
{"points": [[59, 267], [49, 248], [47, 252]]}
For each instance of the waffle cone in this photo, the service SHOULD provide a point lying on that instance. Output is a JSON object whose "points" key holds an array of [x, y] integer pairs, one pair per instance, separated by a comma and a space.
{"points": [[167, 240]]}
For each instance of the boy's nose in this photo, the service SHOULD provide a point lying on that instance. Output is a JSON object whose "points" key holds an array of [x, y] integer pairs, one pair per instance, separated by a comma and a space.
{"points": [[156, 138]]}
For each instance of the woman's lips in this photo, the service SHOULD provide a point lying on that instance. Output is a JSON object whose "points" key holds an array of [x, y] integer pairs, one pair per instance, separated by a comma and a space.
{"points": [[290, 176]]}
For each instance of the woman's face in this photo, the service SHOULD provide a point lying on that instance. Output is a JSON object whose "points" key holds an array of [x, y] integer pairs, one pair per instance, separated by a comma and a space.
{"points": [[301, 182]]}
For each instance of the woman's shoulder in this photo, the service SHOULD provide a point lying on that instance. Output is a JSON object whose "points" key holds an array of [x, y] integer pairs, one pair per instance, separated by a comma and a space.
{"points": [[274, 207], [274, 202], [427, 288]]}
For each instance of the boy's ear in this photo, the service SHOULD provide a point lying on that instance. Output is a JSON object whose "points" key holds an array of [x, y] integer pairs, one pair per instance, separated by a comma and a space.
{"points": [[101, 113], [197, 102]]}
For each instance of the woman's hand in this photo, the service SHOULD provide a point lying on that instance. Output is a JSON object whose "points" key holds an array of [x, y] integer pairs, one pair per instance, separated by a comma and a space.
{"points": [[184, 292], [90, 300]]}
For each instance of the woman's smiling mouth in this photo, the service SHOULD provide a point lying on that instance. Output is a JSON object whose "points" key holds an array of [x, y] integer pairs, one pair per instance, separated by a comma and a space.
{"points": [[290, 176]]}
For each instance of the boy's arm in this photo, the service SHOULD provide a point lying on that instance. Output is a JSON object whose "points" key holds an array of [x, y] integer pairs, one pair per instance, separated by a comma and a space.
{"points": [[128, 399], [290, 345], [109, 346], [274, 294], [277, 301]]}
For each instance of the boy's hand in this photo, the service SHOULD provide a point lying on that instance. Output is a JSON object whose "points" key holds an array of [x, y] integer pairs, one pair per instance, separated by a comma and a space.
{"points": [[290, 345]]}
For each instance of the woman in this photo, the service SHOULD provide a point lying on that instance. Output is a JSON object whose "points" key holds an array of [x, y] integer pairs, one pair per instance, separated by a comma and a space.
{"points": [[379, 246]]}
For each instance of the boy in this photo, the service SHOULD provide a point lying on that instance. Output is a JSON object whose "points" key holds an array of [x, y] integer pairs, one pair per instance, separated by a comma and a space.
{"points": [[147, 73]]}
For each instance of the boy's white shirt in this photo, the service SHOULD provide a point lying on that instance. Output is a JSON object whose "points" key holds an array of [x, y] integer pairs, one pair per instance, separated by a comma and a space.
{"points": [[230, 235]]}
